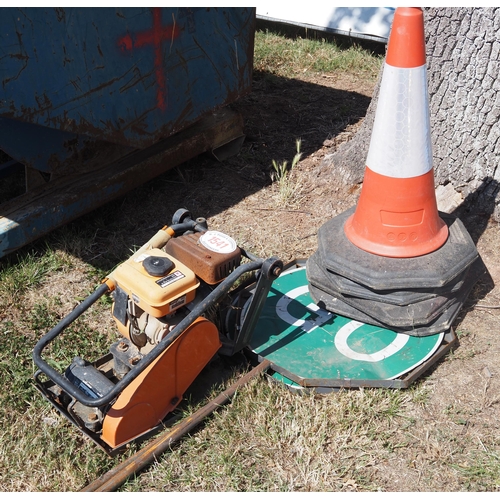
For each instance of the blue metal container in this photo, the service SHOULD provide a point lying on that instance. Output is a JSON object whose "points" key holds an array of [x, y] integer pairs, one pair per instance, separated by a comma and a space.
{"points": [[129, 76], [82, 87]]}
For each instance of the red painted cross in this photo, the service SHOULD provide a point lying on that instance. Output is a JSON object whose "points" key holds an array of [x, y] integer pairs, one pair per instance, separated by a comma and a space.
{"points": [[155, 37]]}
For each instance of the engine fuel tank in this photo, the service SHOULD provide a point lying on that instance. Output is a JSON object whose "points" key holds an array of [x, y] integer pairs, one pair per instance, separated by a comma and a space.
{"points": [[157, 295]]}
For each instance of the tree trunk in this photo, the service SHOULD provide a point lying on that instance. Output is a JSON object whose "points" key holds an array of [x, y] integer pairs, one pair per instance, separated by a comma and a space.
{"points": [[463, 61]]}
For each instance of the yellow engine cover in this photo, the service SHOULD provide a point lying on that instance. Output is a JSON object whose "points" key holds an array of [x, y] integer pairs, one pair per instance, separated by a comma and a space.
{"points": [[161, 386], [157, 296]]}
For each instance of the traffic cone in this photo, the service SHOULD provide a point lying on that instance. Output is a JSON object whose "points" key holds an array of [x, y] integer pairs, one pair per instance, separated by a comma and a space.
{"points": [[396, 215], [393, 260]]}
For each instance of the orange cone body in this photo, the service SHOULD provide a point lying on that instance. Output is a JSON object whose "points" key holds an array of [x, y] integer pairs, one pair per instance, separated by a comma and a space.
{"points": [[397, 215]]}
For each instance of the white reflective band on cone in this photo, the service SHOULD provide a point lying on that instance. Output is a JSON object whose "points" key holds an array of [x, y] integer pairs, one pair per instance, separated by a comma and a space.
{"points": [[400, 145]]}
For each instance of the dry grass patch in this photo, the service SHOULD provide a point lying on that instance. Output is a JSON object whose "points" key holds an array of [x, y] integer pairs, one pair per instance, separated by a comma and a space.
{"points": [[270, 439]]}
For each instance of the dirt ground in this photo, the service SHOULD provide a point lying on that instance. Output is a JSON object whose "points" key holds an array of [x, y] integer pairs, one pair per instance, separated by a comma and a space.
{"points": [[465, 385], [238, 197]]}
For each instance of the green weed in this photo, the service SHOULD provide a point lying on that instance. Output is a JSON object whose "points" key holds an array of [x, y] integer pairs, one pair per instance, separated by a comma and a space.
{"points": [[286, 188]]}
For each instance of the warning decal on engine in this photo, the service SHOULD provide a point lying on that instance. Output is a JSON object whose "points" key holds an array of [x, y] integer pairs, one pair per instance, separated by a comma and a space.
{"points": [[175, 304], [171, 278]]}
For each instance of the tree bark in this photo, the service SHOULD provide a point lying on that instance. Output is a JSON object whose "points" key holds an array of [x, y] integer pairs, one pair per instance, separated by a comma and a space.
{"points": [[463, 62]]}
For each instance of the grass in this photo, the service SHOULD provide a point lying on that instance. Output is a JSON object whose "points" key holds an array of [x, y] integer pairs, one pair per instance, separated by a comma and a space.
{"points": [[26, 271], [267, 439], [276, 55], [31, 455], [286, 187], [481, 471], [273, 440], [280, 56]]}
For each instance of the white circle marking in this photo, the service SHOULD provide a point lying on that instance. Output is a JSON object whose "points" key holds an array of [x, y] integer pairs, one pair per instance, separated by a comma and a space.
{"points": [[307, 325], [341, 344], [342, 335]]}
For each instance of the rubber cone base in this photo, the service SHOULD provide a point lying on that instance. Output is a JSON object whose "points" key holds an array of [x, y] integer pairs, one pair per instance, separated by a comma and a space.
{"points": [[420, 319], [348, 287], [419, 296], [428, 271]]}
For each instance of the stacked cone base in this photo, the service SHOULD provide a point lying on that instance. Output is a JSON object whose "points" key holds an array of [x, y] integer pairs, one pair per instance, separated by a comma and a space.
{"points": [[348, 287], [430, 271], [418, 296]]}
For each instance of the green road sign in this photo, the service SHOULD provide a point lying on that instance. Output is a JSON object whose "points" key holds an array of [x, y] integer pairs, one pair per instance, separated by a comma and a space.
{"points": [[307, 342]]}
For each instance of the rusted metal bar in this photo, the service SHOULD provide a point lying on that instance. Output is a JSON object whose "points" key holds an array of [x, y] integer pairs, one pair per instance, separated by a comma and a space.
{"points": [[113, 479]]}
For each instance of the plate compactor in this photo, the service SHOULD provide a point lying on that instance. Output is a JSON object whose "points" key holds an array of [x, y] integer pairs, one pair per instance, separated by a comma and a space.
{"points": [[166, 297]]}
